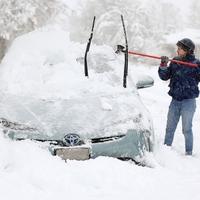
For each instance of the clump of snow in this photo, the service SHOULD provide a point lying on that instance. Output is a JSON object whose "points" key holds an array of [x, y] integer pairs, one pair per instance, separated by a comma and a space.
{"points": [[37, 67]]}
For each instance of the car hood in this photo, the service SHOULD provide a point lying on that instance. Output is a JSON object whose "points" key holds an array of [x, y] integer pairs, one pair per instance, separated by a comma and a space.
{"points": [[89, 116]]}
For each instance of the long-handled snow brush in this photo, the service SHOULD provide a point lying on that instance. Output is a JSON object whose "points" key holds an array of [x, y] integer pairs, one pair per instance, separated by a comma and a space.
{"points": [[121, 48]]}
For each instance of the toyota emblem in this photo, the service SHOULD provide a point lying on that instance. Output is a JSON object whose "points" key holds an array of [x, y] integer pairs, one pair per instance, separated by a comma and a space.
{"points": [[72, 139]]}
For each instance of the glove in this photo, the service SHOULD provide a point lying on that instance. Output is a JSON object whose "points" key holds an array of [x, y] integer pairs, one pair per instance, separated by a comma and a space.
{"points": [[164, 61]]}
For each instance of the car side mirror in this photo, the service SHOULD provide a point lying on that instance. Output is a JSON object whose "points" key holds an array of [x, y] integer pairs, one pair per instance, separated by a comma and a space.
{"points": [[144, 81]]}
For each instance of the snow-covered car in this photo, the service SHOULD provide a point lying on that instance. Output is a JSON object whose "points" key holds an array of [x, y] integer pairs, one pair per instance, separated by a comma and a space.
{"points": [[46, 97]]}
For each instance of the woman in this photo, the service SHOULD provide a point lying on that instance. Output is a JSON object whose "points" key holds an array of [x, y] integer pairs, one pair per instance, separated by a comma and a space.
{"points": [[183, 90]]}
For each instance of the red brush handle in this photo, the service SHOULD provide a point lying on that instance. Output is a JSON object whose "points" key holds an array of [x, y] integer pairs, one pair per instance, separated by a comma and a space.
{"points": [[158, 57]]}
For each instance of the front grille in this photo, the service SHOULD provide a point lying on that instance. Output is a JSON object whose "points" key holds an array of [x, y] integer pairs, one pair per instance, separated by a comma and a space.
{"points": [[106, 139]]}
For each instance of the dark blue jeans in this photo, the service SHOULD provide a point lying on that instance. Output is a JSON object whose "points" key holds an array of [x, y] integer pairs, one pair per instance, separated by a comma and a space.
{"points": [[185, 109]]}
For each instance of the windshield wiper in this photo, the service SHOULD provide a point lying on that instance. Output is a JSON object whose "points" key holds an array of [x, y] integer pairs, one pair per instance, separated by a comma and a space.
{"points": [[88, 48], [125, 55]]}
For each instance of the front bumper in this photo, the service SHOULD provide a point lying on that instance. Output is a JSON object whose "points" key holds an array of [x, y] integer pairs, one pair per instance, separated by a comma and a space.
{"points": [[133, 145]]}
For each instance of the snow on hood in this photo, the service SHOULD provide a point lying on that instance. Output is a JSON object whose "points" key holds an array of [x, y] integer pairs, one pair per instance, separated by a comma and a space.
{"points": [[43, 83]]}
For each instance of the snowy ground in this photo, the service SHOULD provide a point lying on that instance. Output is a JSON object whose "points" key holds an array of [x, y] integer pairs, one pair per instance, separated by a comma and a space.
{"points": [[28, 171]]}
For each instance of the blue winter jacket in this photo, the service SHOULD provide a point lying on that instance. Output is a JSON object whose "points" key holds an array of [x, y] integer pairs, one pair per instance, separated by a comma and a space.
{"points": [[183, 79]]}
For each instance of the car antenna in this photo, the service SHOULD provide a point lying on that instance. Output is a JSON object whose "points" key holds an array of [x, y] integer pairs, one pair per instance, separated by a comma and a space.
{"points": [[88, 48]]}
